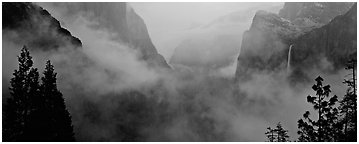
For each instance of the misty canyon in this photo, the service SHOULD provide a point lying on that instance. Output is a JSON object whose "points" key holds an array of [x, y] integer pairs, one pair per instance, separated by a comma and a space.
{"points": [[225, 77]]}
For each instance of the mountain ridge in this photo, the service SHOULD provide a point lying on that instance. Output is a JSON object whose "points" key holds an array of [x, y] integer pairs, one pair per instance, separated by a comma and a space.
{"points": [[38, 29], [272, 38], [44, 31]]}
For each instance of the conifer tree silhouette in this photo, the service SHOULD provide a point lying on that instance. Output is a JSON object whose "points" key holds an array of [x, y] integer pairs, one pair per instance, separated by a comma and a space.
{"points": [[60, 119], [35, 112], [23, 89], [278, 134], [282, 134], [326, 127], [348, 105], [270, 134]]}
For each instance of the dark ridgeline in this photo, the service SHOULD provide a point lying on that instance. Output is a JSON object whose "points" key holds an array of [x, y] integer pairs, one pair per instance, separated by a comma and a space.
{"points": [[36, 27], [41, 31], [35, 112], [128, 27]]}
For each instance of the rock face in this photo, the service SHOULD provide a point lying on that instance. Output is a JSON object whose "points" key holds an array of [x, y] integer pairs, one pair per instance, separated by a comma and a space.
{"points": [[215, 45], [333, 43], [119, 18], [36, 28], [31, 25], [139, 38], [315, 13], [265, 41], [266, 44]]}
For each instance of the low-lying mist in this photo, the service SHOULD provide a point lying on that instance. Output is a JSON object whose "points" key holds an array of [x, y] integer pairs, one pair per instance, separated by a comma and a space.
{"points": [[112, 95], [216, 44]]}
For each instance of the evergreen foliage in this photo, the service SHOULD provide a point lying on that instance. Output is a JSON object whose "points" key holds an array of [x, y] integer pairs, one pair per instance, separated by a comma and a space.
{"points": [[327, 126], [348, 106], [278, 134], [35, 112]]}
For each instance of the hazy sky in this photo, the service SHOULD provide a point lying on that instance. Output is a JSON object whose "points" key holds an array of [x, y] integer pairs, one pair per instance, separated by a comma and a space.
{"points": [[167, 21]]}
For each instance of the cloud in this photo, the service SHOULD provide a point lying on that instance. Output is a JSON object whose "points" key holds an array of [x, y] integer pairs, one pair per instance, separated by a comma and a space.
{"points": [[114, 96], [168, 23]]}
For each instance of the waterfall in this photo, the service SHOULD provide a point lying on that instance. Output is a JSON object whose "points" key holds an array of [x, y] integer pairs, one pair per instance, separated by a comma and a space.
{"points": [[288, 61]]}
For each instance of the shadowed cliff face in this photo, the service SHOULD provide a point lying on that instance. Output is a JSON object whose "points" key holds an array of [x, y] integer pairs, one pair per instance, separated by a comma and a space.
{"points": [[116, 18], [327, 48], [265, 46], [29, 24]]}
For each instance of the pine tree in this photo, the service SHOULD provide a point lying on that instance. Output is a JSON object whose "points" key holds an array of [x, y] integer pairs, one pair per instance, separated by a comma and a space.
{"points": [[61, 127], [282, 134], [270, 134], [278, 134], [24, 87], [306, 131], [35, 112], [348, 106], [327, 125]]}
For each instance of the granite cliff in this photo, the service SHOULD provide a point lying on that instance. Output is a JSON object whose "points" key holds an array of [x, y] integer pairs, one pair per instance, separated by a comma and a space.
{"points": [[31, 25], [266, 44]]}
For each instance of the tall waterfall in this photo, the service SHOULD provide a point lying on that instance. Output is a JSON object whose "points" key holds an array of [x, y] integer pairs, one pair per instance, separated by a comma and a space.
{"points": [[288, 61]]}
